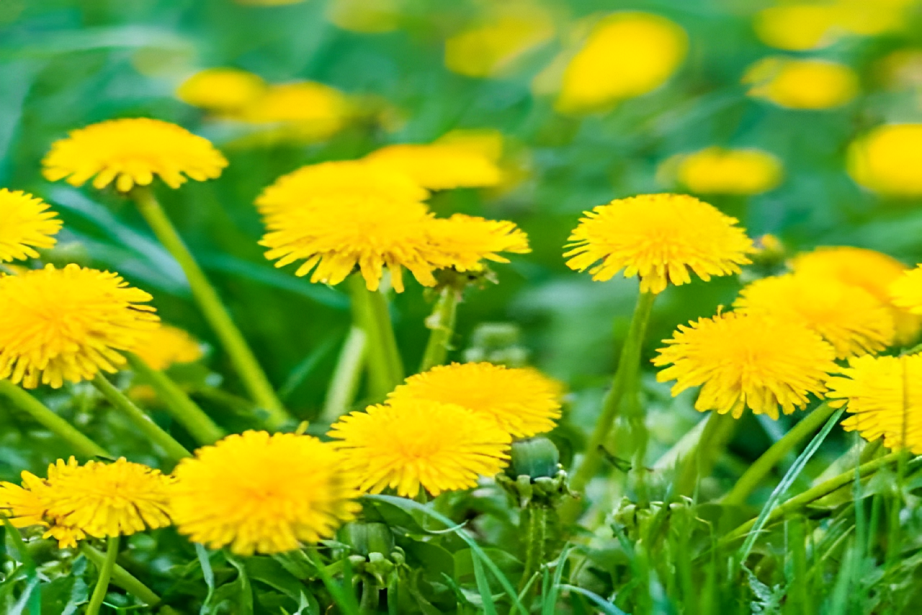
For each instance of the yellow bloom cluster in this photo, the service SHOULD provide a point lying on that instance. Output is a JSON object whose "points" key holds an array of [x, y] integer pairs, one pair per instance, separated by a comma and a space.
{"points": [[801, 84], [26, 223]]}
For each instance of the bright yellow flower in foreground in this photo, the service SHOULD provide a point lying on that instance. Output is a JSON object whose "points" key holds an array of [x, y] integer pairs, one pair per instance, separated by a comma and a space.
{"points": [[415, 444], [716, 170], [131, 152], [627, 54], [802, 84], [168, 345], [887, 160], [221, 89], [97, 499], [463, 242], [746, 361], [850, 318], [438, 166], [660, 237], [305, 110], [874, 390], [523, 401], [68, 324], [26, 223], [262, 493]]}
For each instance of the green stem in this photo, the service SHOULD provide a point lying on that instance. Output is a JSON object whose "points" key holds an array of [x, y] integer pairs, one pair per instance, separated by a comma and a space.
{"points": [[713, 436], [121, 577], [536, 540], [105, 573], [442, 326], [251, 374], [346, 376], [185, 411], [764, 464], [370, 598], [369, 313], [80, 444], [142, 421]]}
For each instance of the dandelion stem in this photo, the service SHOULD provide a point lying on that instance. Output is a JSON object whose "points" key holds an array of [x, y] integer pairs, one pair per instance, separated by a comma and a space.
{"points": [[80, 443], [536, 541], [442, 326], [105, 573], [369, 312], [121, 577], [183, 410], [346, 376], [764, 464], [251, 374], [174, 450]]}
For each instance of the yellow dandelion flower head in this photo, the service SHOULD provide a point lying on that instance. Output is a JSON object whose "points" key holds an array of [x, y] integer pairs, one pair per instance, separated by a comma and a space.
{"points": [[341, 177], [417, 443], [26, 223], [336, 234], [906, 291], [850, 318], [439, 166], [747, 361], [716, 170], [887, 160], [801, 84], [167, 346], [627, 54], [463, 242], [308, 110], [131, 152], [522, 401], [263, 493], [24, 505], [660, 237], [221, 89], [69, 324], [884, 396], [366, 17]]}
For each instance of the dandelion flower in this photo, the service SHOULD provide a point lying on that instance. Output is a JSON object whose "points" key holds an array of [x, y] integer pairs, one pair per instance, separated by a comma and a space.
{"points": [[417, 443], [69, 324], [659, 237], [487, 142], [802, 84], [874, 391], [746, 361], [131, 152], [848, 317], [906, 291], [26, 223], [167, 346], [887, 160], [802, 27], [716, 170], [438, 166], [221, 89], [262, 493], [304, 110], [462, 242], [522, 401]]}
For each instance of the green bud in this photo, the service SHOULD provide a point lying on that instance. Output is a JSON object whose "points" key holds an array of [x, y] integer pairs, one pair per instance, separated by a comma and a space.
{"points": [[367, 538], [536, 458]]}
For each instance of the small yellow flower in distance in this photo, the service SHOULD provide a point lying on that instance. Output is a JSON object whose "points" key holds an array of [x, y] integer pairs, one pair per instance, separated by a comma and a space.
{"points": [[873, 271], [131, 152], [26, 223], [364, 16], [487, 142], [221, 89], [69, 324], [97, 499], [167, 346], [262, 493], [661, 238], [906, 291], [438, 166], [850, 318], [887, 160], [304, 110], [802, 84], [716, 170], [522, 401], [874, 390], [626, 54], [463, 242], [747, 361], [417, 444], [801, 27]]}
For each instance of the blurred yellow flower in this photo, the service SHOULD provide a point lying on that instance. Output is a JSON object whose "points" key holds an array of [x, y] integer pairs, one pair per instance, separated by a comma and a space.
{"points": [[522, 401], [850, 318], [131, 152], [417, 444], [487, 142], [906, 291], [364, 16], [884, 396], [801, 84], [747, 361], [716, 170], [887, 160], [262, 493], [661, 238], [463, 242], [69, 324], [26, 223], [221, 89], [168, 345], [303, 111], [801, 27], [438, 166]]}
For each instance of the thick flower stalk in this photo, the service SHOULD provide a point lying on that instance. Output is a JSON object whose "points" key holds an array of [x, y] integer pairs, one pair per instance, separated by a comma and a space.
{"points": [[26, 223]]}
